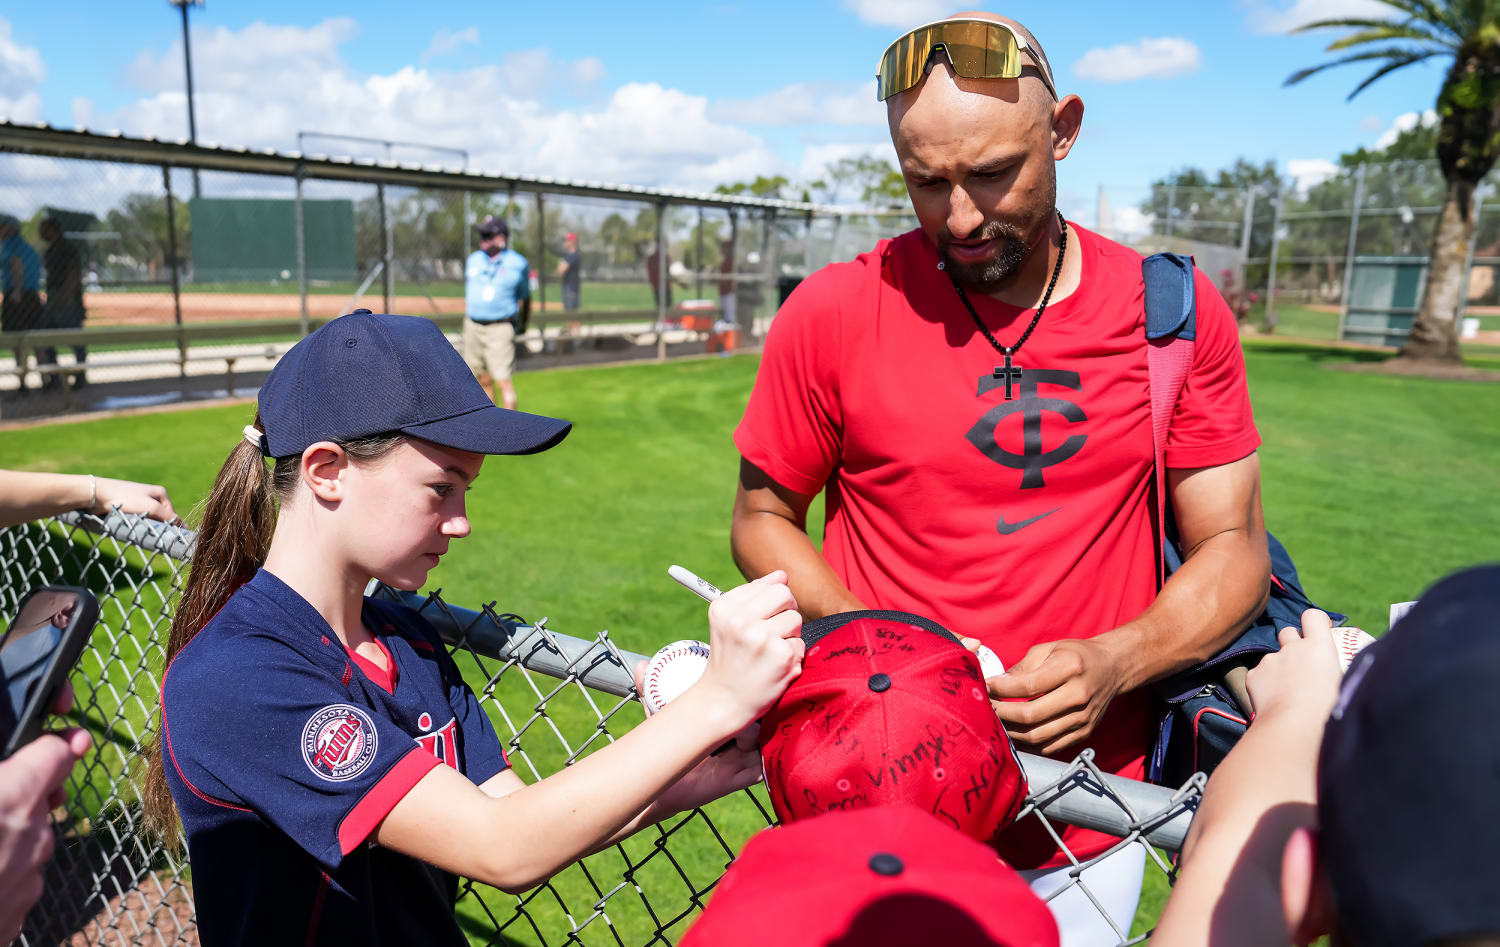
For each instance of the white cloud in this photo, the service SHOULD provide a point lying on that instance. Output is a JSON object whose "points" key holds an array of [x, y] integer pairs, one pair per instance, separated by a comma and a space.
{"points": [[588, 70], [1148, 58], [1405, 122], [21, 73], [445, 41], [807, 103], [260, 85], [1267, 17], [816, 158], [902, 14], [1370, 123], [1310, 172]]}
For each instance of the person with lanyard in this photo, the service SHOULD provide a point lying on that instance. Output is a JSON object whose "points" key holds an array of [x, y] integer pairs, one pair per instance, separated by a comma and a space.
{"points": [[332, 770], [497, 302], [973, 399], [20, 283]]}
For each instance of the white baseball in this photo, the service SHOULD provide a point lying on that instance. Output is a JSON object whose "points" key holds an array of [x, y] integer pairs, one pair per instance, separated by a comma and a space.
{"points": [[989, 664], [1350, 641], [672, 671]]}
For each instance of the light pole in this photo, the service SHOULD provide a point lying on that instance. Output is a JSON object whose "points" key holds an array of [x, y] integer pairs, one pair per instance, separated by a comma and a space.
{"points": [[187, 61]]}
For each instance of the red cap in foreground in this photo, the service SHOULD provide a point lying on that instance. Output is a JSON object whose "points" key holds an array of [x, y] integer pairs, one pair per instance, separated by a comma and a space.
{"points": [[872, 877]]}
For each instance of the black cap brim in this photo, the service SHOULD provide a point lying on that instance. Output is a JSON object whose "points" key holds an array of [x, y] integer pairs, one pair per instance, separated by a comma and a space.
{"points": [[494, 430]]}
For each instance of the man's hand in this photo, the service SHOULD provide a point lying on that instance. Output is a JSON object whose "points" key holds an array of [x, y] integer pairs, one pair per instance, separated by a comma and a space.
{"points": [[129, 497], [1051, 700], [31, 785]]}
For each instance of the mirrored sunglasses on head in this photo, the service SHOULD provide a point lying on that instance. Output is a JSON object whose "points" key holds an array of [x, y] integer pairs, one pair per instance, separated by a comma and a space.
{"points": [[976, 49]]}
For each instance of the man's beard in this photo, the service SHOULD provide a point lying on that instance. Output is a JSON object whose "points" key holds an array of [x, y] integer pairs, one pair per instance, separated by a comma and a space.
{"points": [[996, 272]]}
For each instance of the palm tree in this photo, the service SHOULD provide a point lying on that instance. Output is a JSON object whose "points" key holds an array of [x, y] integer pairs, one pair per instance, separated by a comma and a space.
{"points": [[1468, 107]]}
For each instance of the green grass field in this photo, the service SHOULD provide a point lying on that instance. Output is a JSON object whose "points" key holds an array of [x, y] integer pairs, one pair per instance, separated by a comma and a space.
{"points": [[1378, 485]]}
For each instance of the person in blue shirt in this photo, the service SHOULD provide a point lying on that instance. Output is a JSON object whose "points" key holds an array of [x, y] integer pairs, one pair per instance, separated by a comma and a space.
{"points": [[332, 770], [20, 282], [497, 302]]}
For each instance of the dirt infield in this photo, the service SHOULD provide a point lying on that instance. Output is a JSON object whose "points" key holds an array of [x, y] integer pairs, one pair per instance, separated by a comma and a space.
{"points": [[144, 309]]}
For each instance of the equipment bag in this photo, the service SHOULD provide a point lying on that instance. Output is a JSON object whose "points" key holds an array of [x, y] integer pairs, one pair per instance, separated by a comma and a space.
{"points": [[1206, 707]]}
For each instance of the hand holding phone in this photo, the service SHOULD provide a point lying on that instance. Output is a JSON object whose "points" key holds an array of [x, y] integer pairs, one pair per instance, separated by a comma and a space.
{"points": [[37, 653]]}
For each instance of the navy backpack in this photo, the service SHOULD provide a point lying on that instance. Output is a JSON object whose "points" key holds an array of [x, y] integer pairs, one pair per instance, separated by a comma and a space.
{"points": [[1206, 709]]}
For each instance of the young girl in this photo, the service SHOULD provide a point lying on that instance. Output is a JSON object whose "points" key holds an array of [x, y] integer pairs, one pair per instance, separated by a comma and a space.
{"points": [[332, 771]]}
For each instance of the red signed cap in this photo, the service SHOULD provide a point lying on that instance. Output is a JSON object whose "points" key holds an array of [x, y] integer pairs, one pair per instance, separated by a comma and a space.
{"points": [[890, 709], [873, 877]]}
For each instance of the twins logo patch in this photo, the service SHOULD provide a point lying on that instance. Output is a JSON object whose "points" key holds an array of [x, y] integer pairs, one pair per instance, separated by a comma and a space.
{"points": [[338, 742]]}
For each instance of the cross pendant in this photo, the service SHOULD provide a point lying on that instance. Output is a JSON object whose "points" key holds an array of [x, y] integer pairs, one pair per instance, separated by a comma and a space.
{"points": [[1009, 373]]}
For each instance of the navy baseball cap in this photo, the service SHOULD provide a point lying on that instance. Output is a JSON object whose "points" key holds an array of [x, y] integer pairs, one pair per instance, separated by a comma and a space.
{"points": [[365, 374], [1409, 774], [492, 225]]}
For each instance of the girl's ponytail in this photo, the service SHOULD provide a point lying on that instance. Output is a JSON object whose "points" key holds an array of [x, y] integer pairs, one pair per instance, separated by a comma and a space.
{"points": [[234, 531]]}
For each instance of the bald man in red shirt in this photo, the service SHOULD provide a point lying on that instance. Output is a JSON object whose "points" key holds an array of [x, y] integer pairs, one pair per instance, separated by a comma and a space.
{"points": [[972, 399]]}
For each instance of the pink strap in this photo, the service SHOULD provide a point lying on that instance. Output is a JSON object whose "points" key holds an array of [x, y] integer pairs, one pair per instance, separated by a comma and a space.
{"points": [[1168, 362]]}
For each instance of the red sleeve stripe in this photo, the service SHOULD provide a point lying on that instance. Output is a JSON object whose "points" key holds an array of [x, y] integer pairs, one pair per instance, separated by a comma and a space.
{"points": [[382, 797]]}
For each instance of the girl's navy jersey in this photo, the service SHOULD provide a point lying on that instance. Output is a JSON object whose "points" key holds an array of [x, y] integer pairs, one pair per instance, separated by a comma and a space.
{"points": [[284, 751]]}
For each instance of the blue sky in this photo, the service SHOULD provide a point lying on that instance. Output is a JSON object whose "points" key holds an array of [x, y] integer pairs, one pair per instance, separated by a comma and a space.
{"points": [[687, 94]]}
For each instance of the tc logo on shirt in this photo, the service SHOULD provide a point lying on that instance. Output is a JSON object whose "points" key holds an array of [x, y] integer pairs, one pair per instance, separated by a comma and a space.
{"points": [[1031, 461], [338, 742]]}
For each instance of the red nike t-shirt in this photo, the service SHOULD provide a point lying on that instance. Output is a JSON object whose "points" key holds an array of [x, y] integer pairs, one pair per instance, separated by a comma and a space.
{"points": [[1014, 522]]}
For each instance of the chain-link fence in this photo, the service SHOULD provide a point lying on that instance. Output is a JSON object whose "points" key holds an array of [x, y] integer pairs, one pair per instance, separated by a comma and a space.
{"points": [[1340, 256], [553, 698], [170, 267]]}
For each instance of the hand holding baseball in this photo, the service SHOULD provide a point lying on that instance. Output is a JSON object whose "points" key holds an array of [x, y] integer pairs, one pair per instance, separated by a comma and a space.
{"points": [[755, 646]]}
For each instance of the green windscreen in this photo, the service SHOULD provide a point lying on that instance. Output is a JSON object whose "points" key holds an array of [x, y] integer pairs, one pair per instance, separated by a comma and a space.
{"points": [[255, 239]]}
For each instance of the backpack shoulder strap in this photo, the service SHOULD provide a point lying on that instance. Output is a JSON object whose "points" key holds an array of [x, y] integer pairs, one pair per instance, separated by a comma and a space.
{"points": [[1171, 326]]}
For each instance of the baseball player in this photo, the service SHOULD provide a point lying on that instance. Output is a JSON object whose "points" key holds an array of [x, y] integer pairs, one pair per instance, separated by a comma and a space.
{"points": [[332, 771]]}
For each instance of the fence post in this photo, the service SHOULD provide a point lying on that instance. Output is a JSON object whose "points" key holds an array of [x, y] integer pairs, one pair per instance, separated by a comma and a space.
{"points": [[468, 223], [771, 287], [1359, 196], [698, 259], [385, 256], [1171, 203], [1250, 193], [301, 254], [663, 288], [166, 179], [1277, 199], [541, 270]]}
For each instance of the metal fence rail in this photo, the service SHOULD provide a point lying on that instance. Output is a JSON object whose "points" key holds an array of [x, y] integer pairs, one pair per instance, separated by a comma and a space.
{"points": [[553, 698]]}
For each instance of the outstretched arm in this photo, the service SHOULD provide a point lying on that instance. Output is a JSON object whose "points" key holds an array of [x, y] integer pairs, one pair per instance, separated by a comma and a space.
{"points": [[1229, 890], [529, 832], [26, 496]]}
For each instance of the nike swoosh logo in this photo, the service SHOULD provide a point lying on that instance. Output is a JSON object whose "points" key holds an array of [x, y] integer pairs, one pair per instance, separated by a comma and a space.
{"points": [[1005, 529]]}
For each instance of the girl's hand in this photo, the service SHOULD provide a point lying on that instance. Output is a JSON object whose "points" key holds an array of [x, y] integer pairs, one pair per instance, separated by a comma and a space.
{"points": [[755, 647]]}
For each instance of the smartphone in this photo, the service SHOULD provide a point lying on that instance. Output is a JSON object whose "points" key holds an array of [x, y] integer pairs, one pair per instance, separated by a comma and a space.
{"points": [[37, 653]]}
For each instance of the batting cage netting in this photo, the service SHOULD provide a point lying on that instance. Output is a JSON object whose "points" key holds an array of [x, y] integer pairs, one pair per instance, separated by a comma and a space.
{"points": [[553, 699]]}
